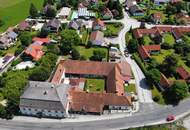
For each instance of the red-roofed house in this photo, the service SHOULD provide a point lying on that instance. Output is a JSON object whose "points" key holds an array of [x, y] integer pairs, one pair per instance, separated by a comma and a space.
{"points": [[98, 25], [146, 50], [41, 40], [35, 51], [116, 73], [97, 38], [183, 73], [96, 102], [165, 83]]}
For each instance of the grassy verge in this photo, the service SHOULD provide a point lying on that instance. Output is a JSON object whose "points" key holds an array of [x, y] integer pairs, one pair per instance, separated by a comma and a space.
{"points": [[88, 52], [130, 88], [157, 94], [112, 29], [171, 126]]}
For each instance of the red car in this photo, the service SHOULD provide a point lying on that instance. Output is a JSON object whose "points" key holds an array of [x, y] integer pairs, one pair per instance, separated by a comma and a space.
{"points": [[170, 118]]}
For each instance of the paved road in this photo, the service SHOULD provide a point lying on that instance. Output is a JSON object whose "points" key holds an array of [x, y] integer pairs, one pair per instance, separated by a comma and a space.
{"points": [[150, 114], [143, 91]]}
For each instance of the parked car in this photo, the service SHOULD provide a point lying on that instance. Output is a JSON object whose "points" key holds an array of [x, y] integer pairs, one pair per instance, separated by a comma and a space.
{"points": [[170, 118]]}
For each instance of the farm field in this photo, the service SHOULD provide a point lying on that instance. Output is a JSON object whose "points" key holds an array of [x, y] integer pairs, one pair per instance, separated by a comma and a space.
{"points": [[14, 11]]}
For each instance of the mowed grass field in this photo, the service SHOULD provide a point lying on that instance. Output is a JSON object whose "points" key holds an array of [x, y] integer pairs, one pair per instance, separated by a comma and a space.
{"points": [[14, 11]]}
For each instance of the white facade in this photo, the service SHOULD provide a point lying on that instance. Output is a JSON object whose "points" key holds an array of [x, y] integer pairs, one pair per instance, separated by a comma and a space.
{"points": [[43, 112]]}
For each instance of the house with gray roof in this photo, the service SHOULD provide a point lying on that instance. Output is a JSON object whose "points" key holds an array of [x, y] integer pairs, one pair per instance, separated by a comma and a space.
{"points": [[76, 24], [44, 99], [53, 25], [8, 39]]}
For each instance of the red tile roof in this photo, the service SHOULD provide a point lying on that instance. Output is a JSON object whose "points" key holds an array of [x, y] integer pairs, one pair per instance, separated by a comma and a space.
{"points": [[35, 51], [164, 82], [116, 73], [184, 74], [42, 40], [96, 35], [152, 47], [145, 50], [158, 30], [98, 22], [95, 102]]}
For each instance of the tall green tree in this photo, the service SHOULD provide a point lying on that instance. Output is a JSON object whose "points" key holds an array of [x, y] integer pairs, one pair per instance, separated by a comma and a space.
{"points": [[68, 39], [33, 11], [133, 45], [177, 92], [25, 38], [50, 12], [75, 54], [169, 65], [98, 55], [153, 76]]}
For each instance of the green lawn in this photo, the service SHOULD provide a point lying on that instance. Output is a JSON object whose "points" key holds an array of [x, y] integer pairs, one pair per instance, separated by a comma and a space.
{"points": [[156, 93], [130, 88], [88, 52], [170, 126], [147, 40], [14, 11], [112, 29], [168, 38], [160, 57], [128, 37], [85, 36], [95, 85]]}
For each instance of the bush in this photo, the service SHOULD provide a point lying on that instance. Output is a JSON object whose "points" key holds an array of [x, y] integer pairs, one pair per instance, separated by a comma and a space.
{"points": [[16, 62], [156, 98], [98, 55], [18, 51], [140, 63], [75, 54]]}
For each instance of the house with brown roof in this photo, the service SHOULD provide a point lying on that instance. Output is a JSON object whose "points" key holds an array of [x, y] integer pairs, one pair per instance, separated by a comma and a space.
{"points": [[96, 103], [41, 41], [60, 98], [35, 51], [165, 83], [116, 74], [183, 74], [98, 25], [178, 32], [146, 50], [97, 38]]}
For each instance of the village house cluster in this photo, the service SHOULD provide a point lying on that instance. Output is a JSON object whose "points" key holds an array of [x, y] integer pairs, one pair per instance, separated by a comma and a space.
{"points": [[66, 93]]}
